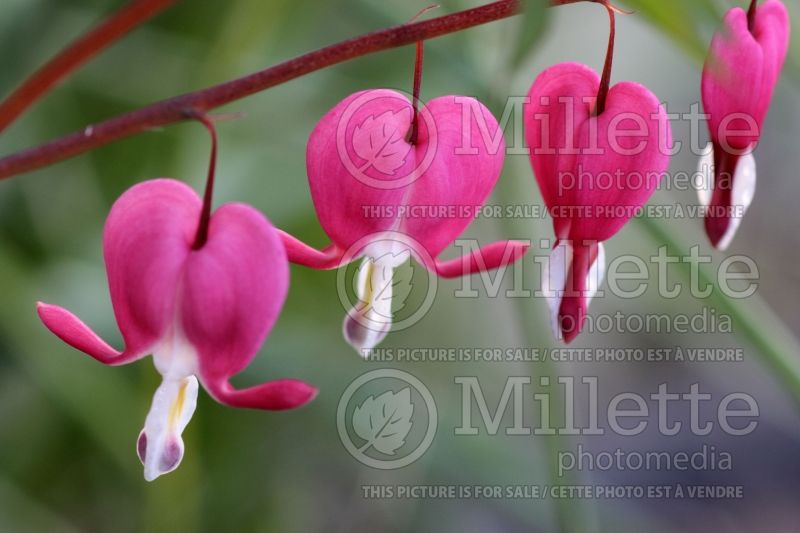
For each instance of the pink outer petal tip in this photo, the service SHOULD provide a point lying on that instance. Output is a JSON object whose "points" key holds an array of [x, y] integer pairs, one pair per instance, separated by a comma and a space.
{"points": [[490, 257], [70, 329], [277, 395]]}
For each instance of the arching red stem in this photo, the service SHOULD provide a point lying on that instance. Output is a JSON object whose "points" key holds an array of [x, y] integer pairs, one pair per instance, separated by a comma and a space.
{"points": [[205, 215], [605, 81], [751, 15]]}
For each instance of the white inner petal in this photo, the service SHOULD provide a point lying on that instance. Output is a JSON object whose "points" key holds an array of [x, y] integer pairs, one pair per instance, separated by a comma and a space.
{"points": [[705, 174], [370, 320], [160, 446], [744, 188], [555, 273], [597, 273], [554, 280]]}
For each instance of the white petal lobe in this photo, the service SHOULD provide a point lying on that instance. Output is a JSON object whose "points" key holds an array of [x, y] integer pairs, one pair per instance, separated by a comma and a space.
{"points": [[744, 188], [160, 445], [370, 320], [554, 280], [705, 176], [555, 273]]}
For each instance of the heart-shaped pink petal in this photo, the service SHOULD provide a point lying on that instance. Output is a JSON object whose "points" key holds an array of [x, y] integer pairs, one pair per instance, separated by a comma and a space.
{"points": [[365, 176], [741, 72], [232, 293], [594, 172]]}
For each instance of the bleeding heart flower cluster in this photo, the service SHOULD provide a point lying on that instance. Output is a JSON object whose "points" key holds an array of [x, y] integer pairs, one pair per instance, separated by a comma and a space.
{"points": [[201, 292]]}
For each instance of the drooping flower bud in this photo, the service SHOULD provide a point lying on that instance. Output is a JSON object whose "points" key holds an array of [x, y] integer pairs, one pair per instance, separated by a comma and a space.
{"points": [[739, 78]]}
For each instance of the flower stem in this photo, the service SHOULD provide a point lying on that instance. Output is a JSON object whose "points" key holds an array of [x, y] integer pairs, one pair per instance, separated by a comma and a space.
{"points": [[751, 15], [418, 62], [201, 237], [76, 54], [173, 110], [412, 137], [605, 81]]}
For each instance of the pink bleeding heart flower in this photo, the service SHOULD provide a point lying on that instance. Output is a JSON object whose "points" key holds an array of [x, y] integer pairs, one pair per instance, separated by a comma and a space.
{"points": [[203, 312], [739, 78], [595, 171], [366, 178]]}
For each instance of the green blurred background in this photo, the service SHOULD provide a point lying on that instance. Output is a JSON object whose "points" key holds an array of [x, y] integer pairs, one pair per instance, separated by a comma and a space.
{"points": [[68, 425]]}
